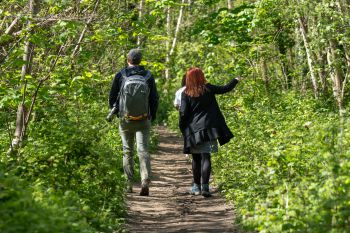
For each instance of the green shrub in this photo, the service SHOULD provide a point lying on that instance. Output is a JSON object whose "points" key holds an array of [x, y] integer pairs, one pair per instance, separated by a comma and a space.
{"points": [[286, 168]]}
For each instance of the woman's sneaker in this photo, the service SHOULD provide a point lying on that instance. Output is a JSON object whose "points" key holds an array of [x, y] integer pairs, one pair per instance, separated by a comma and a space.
{"points": [[205, 190], [195, 190]]}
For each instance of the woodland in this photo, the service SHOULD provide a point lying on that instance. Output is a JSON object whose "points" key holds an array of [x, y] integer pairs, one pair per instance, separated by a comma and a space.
{"points": [[287, 168]]}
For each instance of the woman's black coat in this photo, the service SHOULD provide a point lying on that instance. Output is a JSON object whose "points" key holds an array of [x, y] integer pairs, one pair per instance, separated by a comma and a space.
{"points": [[201, 119]]}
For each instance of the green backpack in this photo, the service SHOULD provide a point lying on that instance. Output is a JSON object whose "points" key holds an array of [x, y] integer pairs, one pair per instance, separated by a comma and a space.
{"points": [[134, 96]]}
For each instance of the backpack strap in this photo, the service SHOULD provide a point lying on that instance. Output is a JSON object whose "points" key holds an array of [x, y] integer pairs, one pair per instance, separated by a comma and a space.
{"points": [[123, 72], [124, 76], [148, 75]]}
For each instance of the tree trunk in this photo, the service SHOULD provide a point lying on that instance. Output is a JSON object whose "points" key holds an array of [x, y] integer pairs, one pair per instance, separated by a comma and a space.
{"points": [[167, 45], [177, 29], [321, 61], [28, 46], [290, 59], [343, 8], [141, 9], [336, 74], [285, 72], [229, 4], [33, 6], [170, 50], [308, 55], [264, 73], [20, 121]]}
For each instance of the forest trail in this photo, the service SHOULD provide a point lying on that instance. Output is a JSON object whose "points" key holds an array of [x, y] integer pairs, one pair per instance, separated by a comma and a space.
{"points": [[170, 207]]}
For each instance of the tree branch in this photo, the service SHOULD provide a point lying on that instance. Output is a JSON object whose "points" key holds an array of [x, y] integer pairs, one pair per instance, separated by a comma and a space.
{"points": [[75, 51], [9, 30], [41, 81]]}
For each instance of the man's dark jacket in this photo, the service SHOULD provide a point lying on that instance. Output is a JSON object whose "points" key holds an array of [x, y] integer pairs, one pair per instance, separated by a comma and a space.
{"points": [[201, 119], [117, 82]]}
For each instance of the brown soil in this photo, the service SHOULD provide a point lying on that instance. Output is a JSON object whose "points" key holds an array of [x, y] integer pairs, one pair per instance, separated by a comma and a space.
{"points": [[170, 207]]}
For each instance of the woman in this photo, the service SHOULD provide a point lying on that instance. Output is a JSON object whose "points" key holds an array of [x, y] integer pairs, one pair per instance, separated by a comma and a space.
{"points": [[177, 100], [202, 125]]}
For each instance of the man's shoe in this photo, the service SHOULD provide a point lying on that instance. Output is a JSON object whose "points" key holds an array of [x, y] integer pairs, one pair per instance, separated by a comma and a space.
{"points": [[205, 190], [144, 190], [195, 190]]}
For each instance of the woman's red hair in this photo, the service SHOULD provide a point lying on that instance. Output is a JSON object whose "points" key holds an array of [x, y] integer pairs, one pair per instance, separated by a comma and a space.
{"points": [[195, 82]]}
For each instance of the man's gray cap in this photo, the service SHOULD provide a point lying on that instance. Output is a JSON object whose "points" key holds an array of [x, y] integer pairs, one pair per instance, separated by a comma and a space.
{"points": [[135, 56]]}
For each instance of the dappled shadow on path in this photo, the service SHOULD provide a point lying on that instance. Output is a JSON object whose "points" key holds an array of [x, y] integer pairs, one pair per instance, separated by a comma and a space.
{"points": [[170, 207]]}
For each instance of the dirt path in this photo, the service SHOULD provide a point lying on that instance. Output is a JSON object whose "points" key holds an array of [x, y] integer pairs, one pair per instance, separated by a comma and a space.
{"points": [[170, 207]]}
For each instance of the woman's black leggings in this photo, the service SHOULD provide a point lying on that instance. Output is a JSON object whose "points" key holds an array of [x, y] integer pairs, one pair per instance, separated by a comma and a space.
{"points": [[201, 167]]}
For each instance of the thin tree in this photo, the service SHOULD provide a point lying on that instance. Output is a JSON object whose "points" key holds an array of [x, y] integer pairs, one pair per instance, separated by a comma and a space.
{"points": [[309, 58], [173, 45], [141, 9], [33, 7]]}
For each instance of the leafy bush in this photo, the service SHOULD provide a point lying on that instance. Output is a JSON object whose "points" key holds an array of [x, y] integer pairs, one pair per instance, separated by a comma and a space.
{"points": [[72, 161], [286, 168], [75, 166], [27, 209]]}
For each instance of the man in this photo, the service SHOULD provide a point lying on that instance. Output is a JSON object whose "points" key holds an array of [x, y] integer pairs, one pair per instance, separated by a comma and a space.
{"points": [[135, 127]]}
